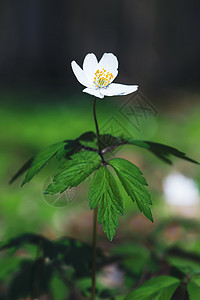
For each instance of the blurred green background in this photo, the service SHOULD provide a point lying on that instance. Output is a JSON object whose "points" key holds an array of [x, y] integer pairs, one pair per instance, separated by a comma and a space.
{"points": [[30, 127]]}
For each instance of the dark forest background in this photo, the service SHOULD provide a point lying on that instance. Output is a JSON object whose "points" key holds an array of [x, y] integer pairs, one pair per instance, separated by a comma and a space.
{"points": [[157, 42]]}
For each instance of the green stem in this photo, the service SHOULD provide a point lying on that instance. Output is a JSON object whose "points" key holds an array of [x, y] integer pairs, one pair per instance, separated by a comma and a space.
{"points": [[95, 120], [94, 238], [97, 131], [94, 247]]}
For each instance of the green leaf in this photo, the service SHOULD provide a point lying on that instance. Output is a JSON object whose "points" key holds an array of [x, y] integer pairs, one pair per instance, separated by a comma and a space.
{"points": [[108, 140], [22, 239], [9, 265], [193, 287], [133, 257], [72, 147], [48, 247], [58, 288], [25, 282], [84, 286], [75, 171], [184, 264], [104, 191], [158, 288], [88, 136], [134, 184], [65, 251], [75, 146], [23, 169], [72, 253], [41, 159], [161, 151], [63, 149]]}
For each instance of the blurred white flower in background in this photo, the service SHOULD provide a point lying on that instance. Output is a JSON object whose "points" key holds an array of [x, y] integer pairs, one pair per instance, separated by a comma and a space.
{"points": [[112, 276], [97, 77], [182, 192]]}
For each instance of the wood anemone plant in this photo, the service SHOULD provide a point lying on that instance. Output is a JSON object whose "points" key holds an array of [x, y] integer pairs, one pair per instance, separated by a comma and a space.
{"points": [[81, 159]]}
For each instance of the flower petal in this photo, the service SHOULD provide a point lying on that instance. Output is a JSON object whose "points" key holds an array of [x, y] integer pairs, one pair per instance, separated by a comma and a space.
{"points": [[110, 63], [94, 92], [80, 74], [116, 89], [89, 65]]}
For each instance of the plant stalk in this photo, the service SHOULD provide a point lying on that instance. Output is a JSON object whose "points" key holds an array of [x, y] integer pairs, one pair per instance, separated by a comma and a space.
{"points": [[97, 131], [96, 123], [94, 239], [94, 248]]}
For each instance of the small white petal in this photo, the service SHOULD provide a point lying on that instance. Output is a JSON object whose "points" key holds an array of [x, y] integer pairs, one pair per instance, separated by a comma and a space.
{"points": [[109, 60], [116, 89], [90, 65], [110, 63], [80, 74], [94, 92]]}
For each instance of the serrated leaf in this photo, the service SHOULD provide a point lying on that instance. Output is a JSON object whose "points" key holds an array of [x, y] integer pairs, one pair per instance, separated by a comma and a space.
{"points": [[63, 149], [160, 150], [97, 188], [104, 191], [134, 184], [158, 288], [76, 170], [41, 159]]}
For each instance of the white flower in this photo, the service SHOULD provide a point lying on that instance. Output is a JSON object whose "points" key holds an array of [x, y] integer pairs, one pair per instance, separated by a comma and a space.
{"points": [[180, 190], [98, 76]]}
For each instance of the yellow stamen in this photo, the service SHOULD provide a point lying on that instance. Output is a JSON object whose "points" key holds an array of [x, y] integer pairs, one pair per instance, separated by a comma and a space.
{"points": [[102, 78]]}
